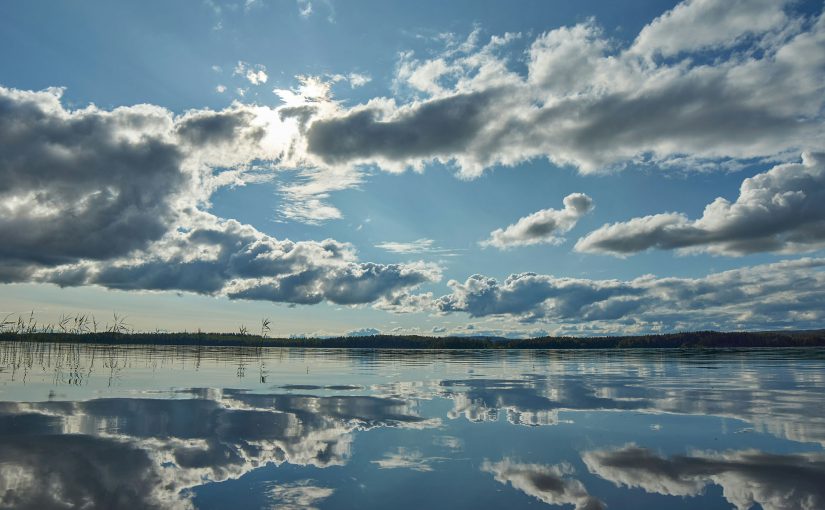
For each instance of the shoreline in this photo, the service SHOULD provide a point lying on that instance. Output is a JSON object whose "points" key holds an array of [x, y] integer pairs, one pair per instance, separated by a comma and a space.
{"points": [[684, 340]]}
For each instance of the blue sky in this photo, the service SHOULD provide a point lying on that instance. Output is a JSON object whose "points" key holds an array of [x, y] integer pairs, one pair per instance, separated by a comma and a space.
{"points": [[350, 166]]}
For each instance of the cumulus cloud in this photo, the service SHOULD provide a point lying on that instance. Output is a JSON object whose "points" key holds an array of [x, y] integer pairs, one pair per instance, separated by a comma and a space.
{"points": [[770, 295], [542, 226], [781, 210], [225, 257], [587, 102], [86, 184], [548, 484], [747, 478]]}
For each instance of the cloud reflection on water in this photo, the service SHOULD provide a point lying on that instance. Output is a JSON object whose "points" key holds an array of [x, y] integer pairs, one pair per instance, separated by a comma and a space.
{"points": [[124, 445]]}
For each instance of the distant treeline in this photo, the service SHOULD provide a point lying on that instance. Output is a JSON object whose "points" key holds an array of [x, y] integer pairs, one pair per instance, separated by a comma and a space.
{"points": [[695, 339]]}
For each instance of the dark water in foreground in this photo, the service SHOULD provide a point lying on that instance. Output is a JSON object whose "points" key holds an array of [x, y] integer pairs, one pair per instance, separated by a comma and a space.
{"points": [[148, 427]]}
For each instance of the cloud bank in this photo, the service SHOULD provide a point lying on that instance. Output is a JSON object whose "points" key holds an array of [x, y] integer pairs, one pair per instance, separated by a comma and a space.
{"points": [[788, 292]]}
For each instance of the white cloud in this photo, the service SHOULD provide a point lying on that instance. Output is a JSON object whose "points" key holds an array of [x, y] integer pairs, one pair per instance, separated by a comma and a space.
{"points": [[701, 24], [220, 89], [254, 73], [417, 246], [542, 226], [358, 79], [781, 210], [305, 8]]}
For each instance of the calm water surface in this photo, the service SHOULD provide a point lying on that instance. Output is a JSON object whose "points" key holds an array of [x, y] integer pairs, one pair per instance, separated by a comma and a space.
{"points": [[151, 427]]}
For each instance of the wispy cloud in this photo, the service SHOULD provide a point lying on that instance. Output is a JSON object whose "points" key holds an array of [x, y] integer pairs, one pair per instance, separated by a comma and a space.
{"points": [[405, 458], [418, 246]]}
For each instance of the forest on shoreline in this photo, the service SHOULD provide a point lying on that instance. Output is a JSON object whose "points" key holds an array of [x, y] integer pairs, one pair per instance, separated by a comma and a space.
{"points": [[682, 340]]}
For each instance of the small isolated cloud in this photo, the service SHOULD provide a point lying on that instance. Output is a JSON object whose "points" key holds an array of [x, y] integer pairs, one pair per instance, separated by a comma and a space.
{"points": [[220, 89], [364, 332], [551, 484], [418, 246], [781, 210], [358, 79], [254, 73], [543, 226], [405, 458], [304, 8]]}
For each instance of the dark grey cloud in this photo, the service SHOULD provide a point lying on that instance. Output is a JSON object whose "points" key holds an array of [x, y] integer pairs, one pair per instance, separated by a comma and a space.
{"points": [[771, 295], [82, 185], [781, 210], [351, 284], [209, 128], [524, 294], [236, 260], [549, 484], [747, 478], [439, 127], [88, 472]]}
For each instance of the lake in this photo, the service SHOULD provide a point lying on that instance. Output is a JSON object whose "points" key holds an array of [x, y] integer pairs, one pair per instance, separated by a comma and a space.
{"points": [[108, 426]]}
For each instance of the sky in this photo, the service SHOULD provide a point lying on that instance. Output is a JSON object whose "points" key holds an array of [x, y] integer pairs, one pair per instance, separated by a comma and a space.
{"points": [[448, 168]]}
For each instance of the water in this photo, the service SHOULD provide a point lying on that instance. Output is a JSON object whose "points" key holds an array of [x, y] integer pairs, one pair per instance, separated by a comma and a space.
{"points": [[157, 427]]}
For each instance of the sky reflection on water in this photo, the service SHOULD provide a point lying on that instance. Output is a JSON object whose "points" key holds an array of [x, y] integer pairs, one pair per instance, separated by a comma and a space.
{"points": [[183, 427]]}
